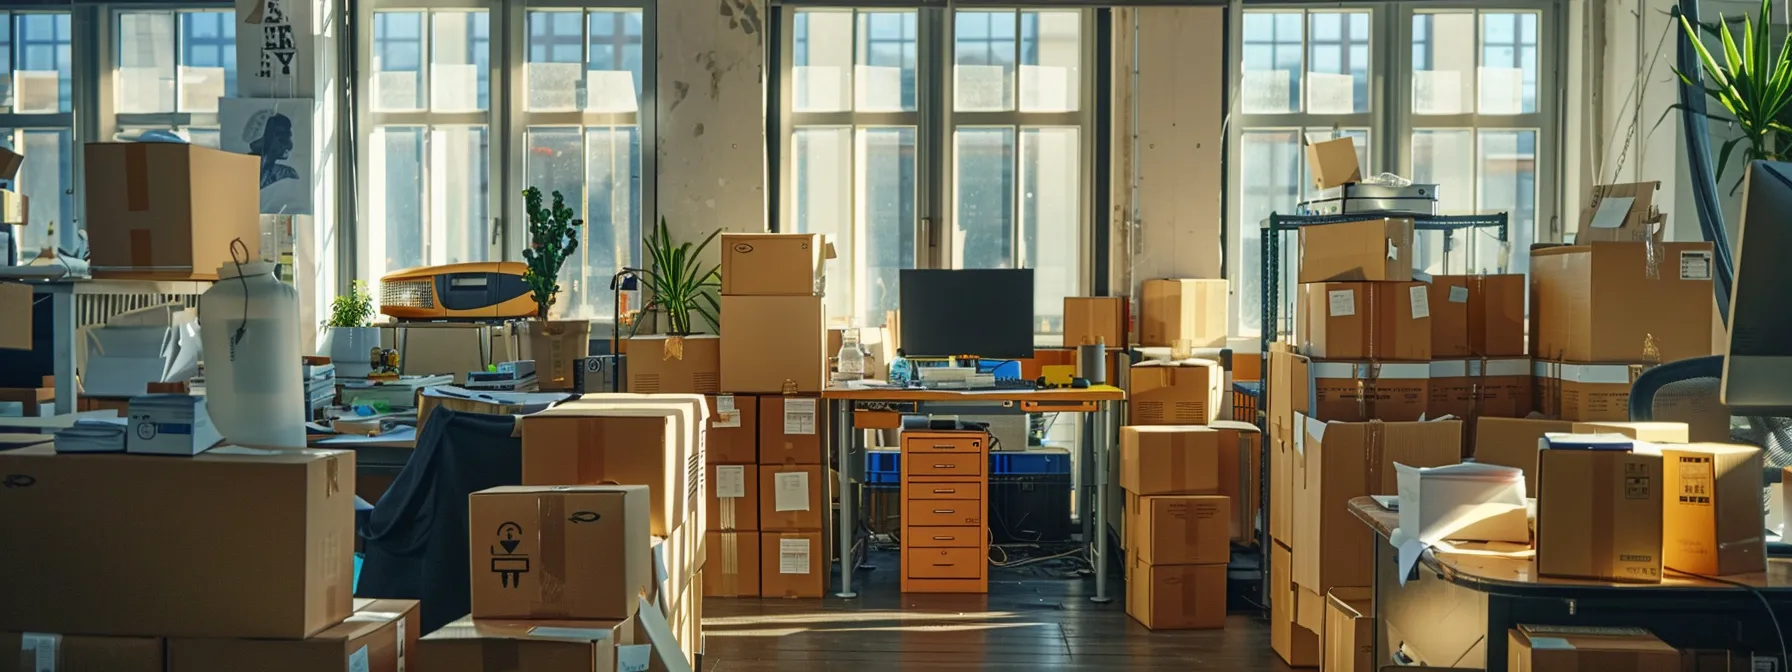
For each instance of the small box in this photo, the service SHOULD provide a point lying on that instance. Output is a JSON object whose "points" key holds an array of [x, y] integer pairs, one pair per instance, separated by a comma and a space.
{"points": [[10, 162], [1535, 648], [1186, 394], [1652, 432], [733, 429], [1377, 250], [790, 498], [1447, 297], [1180, 529], [169, 210], [568, 552], [170, 424], [1174, 311], [1095, 319], [77, 652], [1496, 315], [773, 264], [1712, 515], [1622, 302], [455, 348], [733, 564], [792, 564], [1364, 391], [1333, 163], [1584, 392], [557, 348], [1297, 646], [1169, 460], [733, 492], [632, 447], [674, 364], [470, 645], [1240, 471], [377, 638], [1349, 630], [1383, 321], [791, 430], [1176, 597], [773, 344], [1599, 514], [33, 402], [1621, 213], [15, 208], [1513, 442]]}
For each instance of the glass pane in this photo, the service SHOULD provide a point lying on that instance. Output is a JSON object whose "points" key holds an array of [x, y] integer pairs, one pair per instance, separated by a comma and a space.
{"points": [[460, 52], [1050, 61], [886, 65], [395, 199], [1050, 207], [1270, 178], [1443, 63], [1272, 63], [207, 59], [611, 237], [42, 83], [552, 77], [885, 172], [1444, 157], [821, 198], [204, 137], [614, 76], [398, 61], [44, 179], [1359, 138], [983, 61], [1338, 63], [6, 60], [1508, 164], [459, 178], [556, 163], [146, 69], [1508, 75], [821, 61], [983, 194]]}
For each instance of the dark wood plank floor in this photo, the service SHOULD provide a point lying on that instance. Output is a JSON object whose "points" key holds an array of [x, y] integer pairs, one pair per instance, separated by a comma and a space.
{"points": [[1035, 623]]}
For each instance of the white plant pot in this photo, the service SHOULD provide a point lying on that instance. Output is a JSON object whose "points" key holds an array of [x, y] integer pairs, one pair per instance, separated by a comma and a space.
{"points": [[349, 347]]}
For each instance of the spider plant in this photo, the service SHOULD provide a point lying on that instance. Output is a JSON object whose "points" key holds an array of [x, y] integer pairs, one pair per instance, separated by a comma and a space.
{"points": [[1753, 83], [678, 281]]}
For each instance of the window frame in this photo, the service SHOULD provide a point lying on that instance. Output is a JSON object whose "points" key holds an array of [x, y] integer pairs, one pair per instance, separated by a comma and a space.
{"points": [[84, 69], [110, 121]]}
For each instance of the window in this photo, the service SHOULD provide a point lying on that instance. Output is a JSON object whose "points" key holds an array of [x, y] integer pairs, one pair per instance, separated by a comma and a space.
{"points": [[172, 66], [37, 117]]}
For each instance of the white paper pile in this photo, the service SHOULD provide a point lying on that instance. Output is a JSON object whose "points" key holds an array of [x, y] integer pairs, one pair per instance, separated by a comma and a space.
{"points": [[101, 435], [1468, 501]]}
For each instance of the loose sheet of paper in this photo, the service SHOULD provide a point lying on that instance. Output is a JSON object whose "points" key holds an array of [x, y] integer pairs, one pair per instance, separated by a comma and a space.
{"points": [[793, 491], [1421, 301], [731, 481], [1342, 303], [357, 661], [1611, 212], [1458, 295], [793, 556], [634, 657], [799, 416], [727, 415]]}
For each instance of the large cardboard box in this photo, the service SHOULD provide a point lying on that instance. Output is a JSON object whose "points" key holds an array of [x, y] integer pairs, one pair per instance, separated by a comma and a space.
{"points": [[1609, 302], [1496, 315], [1712, 515], [1180, 529], [1333, 162], [675, 364], [1363, 391], [791, 430], [1283, 469], [1297, 646], [1170, 460], [1584, 392], [233, 542], [733, 564], [1599, 514], [1531, 648], [1241, 475], [1513, 442], [733, 495], [1447, 296], [770, 343], [169, 210], [733, 429], [435, 348], [629, 446], [567, 552], [1369, 250], [1652, 432], [773, 264], [1176, 597], [790, 498], [1290, 386], [77, 652], [792, 564], [492, 645], [379, 637], [1383, 321], [1095, 319], [1188, 394], [1471, 389], [1172, 311], [1344, 460], [558, 347], [1349, 630]]}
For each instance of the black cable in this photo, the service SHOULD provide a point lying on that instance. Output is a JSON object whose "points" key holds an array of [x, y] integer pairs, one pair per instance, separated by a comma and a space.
{"points": [[1781, 634], [243, 327]]}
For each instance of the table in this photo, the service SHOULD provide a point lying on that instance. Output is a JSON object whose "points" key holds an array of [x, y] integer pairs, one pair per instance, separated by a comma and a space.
{"points": [[1455, 609], [62, 292], [1101, 403]]}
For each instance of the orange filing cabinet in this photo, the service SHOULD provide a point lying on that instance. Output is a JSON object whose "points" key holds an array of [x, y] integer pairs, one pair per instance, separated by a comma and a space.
{"points": [[945, 494]]}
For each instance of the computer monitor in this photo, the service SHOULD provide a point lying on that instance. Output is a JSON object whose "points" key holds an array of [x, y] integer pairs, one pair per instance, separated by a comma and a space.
{"points": [[1758, 360], [981, 313]]}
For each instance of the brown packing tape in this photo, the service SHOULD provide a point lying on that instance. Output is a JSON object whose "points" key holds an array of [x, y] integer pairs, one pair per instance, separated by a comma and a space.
{"points": [[553, 556], [136, 177], [1372, 481], [332, 470], [1601, 536], [728, 514], [142, 253], [672, 348], [498, 655], [730, 564]]}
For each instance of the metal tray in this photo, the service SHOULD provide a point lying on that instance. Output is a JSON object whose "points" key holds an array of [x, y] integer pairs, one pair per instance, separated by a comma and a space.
{"points": [[1354, 206], [1358, 190]]}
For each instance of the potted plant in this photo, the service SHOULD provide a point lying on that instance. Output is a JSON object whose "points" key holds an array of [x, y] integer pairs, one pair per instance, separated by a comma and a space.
{"points": [[351, 335], [681, 288], [554, 345], [1752, 84]]}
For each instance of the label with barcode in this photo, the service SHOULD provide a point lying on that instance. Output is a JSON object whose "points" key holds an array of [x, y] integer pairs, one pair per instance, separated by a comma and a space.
{"points": [[727, 415], [1421, 301], [400, 645], [799, 416], [792, 491], [1695, 265], [731, 481], [1341, 303], [1695, 481], [793, 556], [357, 661], [39, 650]]}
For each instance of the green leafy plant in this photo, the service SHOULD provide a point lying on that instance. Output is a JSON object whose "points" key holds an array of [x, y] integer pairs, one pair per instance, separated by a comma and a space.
{"points": [[1753, 83], [678, 281], [553, 236], [354, 309]]}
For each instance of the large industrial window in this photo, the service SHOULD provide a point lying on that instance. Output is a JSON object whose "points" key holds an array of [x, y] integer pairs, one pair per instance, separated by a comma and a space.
{"points": [[37, 118], [170, 69]]}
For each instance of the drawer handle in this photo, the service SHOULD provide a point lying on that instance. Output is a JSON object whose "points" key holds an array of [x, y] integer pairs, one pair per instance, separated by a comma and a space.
{"points": [[944, 491], [945, 510], [940, 538], [942, 446], [945, 466], [942, 564]]}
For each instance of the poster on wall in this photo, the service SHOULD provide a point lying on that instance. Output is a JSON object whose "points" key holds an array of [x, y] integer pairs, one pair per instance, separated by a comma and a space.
{"points": [[274, 48], [279, 131]]}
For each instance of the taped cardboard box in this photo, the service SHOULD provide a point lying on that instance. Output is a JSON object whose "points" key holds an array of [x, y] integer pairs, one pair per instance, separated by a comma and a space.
{"points": [[733, 495], [733, 429], [1241, 454], [1384, 321], [1180, 529], [1534, 648], [557, 347], [1349, 630], [1187, 393], [1283, 470], [495, 645], [438, 348], [1599, 514], [1363, 391], [632, 447], [681, 471], [1621, 213], [1447, 296], [1475, 388], [733, 564], [1309, 612], [1496, 315], [1712, 515], [292, 511], [790, 498], [378, 637], [1369, 250], [1183, 311], [79, 652], [1333, 162], [1170, 460], [1622, 302], [1584, 392], [1513, 442], [33, 402], [1290, 386], [792, 564], [675, 364], [566, 552], [791, 430], [1297, 646], [774, 264], [773, 344], [1095, 319], [168, 210], [1176, 597]]}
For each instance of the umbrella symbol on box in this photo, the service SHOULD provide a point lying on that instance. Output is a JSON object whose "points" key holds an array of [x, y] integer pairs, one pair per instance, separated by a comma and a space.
{"points": [[507, 564]]}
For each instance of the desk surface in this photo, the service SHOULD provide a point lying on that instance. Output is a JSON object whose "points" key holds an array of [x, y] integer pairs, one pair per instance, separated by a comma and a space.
{"points": [[1097, 393], [1518, 576]]}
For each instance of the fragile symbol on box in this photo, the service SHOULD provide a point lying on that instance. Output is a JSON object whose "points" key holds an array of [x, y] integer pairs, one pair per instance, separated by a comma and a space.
{"points": [[1636, 487], [509, 565]]}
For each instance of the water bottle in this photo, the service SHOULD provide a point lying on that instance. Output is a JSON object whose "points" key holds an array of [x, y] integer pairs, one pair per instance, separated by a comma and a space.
{"points": [[852, 359]]}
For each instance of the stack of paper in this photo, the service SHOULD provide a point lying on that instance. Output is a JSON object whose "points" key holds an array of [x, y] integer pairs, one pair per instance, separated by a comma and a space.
{"points": [[102, 435], [1468, 501]]}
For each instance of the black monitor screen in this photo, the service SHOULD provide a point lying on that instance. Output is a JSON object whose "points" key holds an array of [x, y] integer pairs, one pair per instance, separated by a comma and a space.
{"points": [[982, 313]]}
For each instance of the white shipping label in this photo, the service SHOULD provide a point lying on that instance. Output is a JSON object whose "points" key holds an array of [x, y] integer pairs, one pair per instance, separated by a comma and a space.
{"points": [[793, 556], [357, 661], [793, 491], [799, 416], [731, 481], [1695, 265], [1421, 301], [400, 645], [727, 415], [1393, 250], [40, 651], [634, 657], [1342, 302], [1458, 295]]}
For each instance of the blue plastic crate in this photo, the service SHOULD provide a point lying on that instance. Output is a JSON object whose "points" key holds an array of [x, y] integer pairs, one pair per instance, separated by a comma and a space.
{"points": [[1029, 463], [883, 467]]}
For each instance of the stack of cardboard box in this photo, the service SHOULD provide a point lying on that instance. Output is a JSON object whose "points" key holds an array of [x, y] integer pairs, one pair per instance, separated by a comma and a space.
{"points": [[107, 583], [733, 456], [1177, 530], [793, 552]]}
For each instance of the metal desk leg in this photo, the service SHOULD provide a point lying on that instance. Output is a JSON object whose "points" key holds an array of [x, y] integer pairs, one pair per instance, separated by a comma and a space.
{"points": [[849, 515], [1100, 448], [62, 312]]}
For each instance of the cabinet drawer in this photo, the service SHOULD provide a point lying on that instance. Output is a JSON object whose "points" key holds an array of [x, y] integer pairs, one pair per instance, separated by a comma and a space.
{"points": [[943, 464], [926, 512], [945, 563], [945, 490], [943, 443], [943, 537]]}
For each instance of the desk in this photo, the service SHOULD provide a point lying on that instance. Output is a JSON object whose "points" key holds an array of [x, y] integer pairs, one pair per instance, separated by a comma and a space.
{"points": [[63, 332], [1455, 610], [1100, 403]]}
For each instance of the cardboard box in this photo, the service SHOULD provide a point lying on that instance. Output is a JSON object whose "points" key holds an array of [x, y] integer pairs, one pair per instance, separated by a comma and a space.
{"points": [[1289, 388], [1333, 163], [734, 564], [1532, 648], [1383, 321], [169, 210], [1513, 442], [1170, 460], [1447, 296], [1176, 597], [489, 645], [1297, 646], [1173, 311], [1241, 475], [1712, 660], [771, 343], [377, 638], [733, 495], [790, 498], [1363, 391], [773, 264], [291, 511], [1471, 389], [1712, 513], [791, 430], [1496, 315], [17, 301], [1180, 529], [1345, 460], [557, 347], [792, 564], [1605, 302], [1599, 514], [733, 429], [638, 447], [15, 208], [1349, 630], [10, 162], [1369, 250], [1621, 213], [1584, 392], [675, 364], [1175, 395], [435, 348], [1282, 473], [1652, 432], [1309, 613], [1095, 319], [76, 652], [33, 402], [567, 552]]}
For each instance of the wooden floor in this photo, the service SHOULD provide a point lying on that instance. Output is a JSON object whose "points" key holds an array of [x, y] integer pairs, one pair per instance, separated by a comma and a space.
{"points": [[1043, 624]]}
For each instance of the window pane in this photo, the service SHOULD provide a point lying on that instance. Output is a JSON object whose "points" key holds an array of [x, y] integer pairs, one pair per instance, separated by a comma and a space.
{"points": [[42, 82], [395, 199], [1508, 75], [207, 59], [397, 61], [611, 237], [886, 65], [1272, 63], [459, 176], [821, 61], [1050, 61], [1359, 138], [556, 163], [146, 69], [1338, 63], [1443, 77], [460, 61], [1444, 157], [556, 54], [614, 75], [1508, 164], [821, 198], [885, 171], [44, 179], [983, 191], [1051, 192], [1271, 174], [983, 61], [204, 137]]}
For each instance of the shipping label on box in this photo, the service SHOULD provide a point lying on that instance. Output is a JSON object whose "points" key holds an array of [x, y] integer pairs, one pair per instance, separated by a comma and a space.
{"points": [[1712, 515]]}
